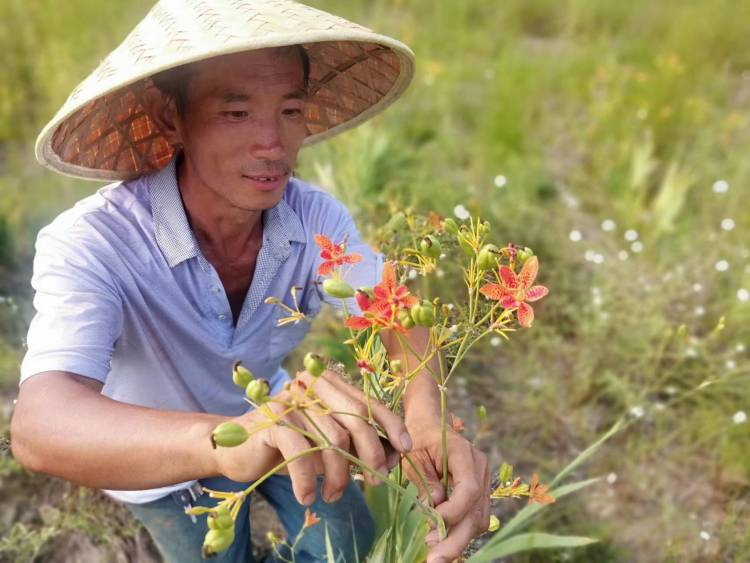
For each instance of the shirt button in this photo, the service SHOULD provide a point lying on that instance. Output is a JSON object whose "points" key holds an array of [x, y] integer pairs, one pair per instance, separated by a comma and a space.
{"points": [[216, 289], [222, 317]]}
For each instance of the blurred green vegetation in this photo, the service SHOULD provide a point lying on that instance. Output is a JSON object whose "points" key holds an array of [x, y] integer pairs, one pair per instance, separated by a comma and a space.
{"points": [[612, 139]]}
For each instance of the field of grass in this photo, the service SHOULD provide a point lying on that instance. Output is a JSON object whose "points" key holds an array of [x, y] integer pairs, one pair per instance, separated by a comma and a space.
{"points": [[612, 138]]}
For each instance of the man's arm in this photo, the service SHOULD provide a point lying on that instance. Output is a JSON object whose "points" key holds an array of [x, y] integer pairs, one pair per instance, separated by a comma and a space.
{"points": [[63, 426]]}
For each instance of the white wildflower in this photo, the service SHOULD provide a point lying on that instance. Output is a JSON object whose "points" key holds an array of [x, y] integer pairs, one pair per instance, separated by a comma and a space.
{"points": [[727, 224], [608, 225], [612, 478], [743, 294], [496, 341], [722, 266], [699, 311], [739, 417], [720, 186], [623, 255], [705, 536], [637, 411], [697, 287], [575, 235], [631, 235], [461, 212], [637, 246], [500, 181]]}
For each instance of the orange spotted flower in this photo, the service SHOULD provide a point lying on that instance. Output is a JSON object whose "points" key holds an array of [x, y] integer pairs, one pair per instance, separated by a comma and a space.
{"points": [[538, 492], [310, 519], [387, 300], [333, 255], [514, 291]]}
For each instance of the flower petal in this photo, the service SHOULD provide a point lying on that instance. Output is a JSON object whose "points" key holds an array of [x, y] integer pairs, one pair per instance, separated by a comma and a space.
{"points": [[324, 242], [528, 272], [493, 291], [352, 258], [536, 293], [357, 323], [525, 315], [363, 301], [508, 302], [389, 276], [509, 277], [325, 268]]}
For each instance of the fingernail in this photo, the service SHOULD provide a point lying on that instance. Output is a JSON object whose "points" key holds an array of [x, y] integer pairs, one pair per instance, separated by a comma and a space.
{"points": [[335, 497], [383, 471], [406, 441], [309, 499]]}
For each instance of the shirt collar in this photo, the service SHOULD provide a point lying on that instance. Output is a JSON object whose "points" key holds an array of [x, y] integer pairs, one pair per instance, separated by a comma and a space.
{"points": [[281, 224]]}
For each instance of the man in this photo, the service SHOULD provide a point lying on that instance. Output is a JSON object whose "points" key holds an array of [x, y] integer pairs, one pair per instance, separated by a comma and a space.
{"points": [[148, 291]]}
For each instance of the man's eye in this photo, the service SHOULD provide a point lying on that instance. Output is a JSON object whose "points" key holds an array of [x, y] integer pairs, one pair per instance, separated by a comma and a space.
{"points": [[293, 111], [235, 114]]}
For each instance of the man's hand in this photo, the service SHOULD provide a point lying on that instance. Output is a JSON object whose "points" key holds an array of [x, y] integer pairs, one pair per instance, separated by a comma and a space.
{"points": [[467, 512], [346, 427]]}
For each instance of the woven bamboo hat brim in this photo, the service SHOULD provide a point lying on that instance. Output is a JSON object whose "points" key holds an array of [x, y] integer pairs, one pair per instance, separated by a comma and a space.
{"points": [[102, 132]]}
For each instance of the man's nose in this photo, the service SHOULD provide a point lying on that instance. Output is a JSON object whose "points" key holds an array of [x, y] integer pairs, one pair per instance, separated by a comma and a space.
{"points": [[267, 141]]}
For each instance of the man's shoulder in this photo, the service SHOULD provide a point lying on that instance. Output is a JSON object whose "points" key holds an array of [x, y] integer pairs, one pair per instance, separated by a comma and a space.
{"points": [[310, 201], [113, 204]]}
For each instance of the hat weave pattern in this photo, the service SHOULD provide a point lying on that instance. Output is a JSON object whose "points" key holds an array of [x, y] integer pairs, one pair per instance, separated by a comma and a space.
{"points": [[103, 132]]}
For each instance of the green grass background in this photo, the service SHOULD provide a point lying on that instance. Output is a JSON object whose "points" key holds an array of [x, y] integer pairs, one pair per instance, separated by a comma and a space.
{"points": [[590, 111]]}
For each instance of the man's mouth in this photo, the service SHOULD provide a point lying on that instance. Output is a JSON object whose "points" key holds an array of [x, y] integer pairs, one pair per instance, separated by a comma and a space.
{"points": [[268, 179]]}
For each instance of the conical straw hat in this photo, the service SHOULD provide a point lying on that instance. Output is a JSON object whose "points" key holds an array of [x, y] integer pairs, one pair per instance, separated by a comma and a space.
{"points": [[102, 132]]}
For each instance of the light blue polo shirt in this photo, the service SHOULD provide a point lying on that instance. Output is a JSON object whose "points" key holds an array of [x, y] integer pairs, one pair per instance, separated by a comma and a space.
{"points": [[125, 296]]}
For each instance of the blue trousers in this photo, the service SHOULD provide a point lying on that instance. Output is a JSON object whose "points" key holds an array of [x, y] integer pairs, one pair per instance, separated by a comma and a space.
{"points": [[348, 521]]}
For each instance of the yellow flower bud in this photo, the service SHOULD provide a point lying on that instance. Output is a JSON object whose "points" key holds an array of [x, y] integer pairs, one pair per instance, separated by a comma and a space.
{"points": [[217, 541]]}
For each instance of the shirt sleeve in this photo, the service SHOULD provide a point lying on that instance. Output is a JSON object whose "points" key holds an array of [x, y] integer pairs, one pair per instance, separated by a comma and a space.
{"points": [[337, 224], [78, 308]]}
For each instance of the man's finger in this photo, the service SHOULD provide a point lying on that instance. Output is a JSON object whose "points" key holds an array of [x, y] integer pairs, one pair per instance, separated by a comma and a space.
{"points": [[467, 479], [302, 471], [454, 543], [336, 467], [398, 435], [350, 414]]}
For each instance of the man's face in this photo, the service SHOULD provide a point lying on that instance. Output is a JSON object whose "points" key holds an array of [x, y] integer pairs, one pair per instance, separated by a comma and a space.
{"points": [[243, 126]]}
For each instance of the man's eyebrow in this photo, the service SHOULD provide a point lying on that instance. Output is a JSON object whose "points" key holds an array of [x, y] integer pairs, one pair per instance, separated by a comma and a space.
{"points": [[228, 97]]}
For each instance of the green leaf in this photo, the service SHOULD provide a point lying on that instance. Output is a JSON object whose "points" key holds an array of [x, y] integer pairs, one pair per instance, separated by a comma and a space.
{"points": [[588, 452], [527, 542], [531, 510]]}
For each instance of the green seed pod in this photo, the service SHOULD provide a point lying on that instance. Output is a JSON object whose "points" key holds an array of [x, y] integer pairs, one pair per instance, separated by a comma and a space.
{"points": [[430, 246], [314, 364], [427, 315], [484, 228], [241, 375], [397, 222], [338, 288], [423, 314], [257, 391], [228, 435], [487, 259], [405, 318], [450, 226], [524, 254], [217, 541], [221, 519], [395, 366]]}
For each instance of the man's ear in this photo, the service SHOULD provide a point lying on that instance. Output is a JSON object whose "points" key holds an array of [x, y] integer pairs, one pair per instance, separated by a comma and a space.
{"points": [[163, 112]]}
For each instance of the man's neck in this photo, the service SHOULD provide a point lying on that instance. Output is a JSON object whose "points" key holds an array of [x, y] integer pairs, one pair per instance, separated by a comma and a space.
{"points": [[224, 232]]}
